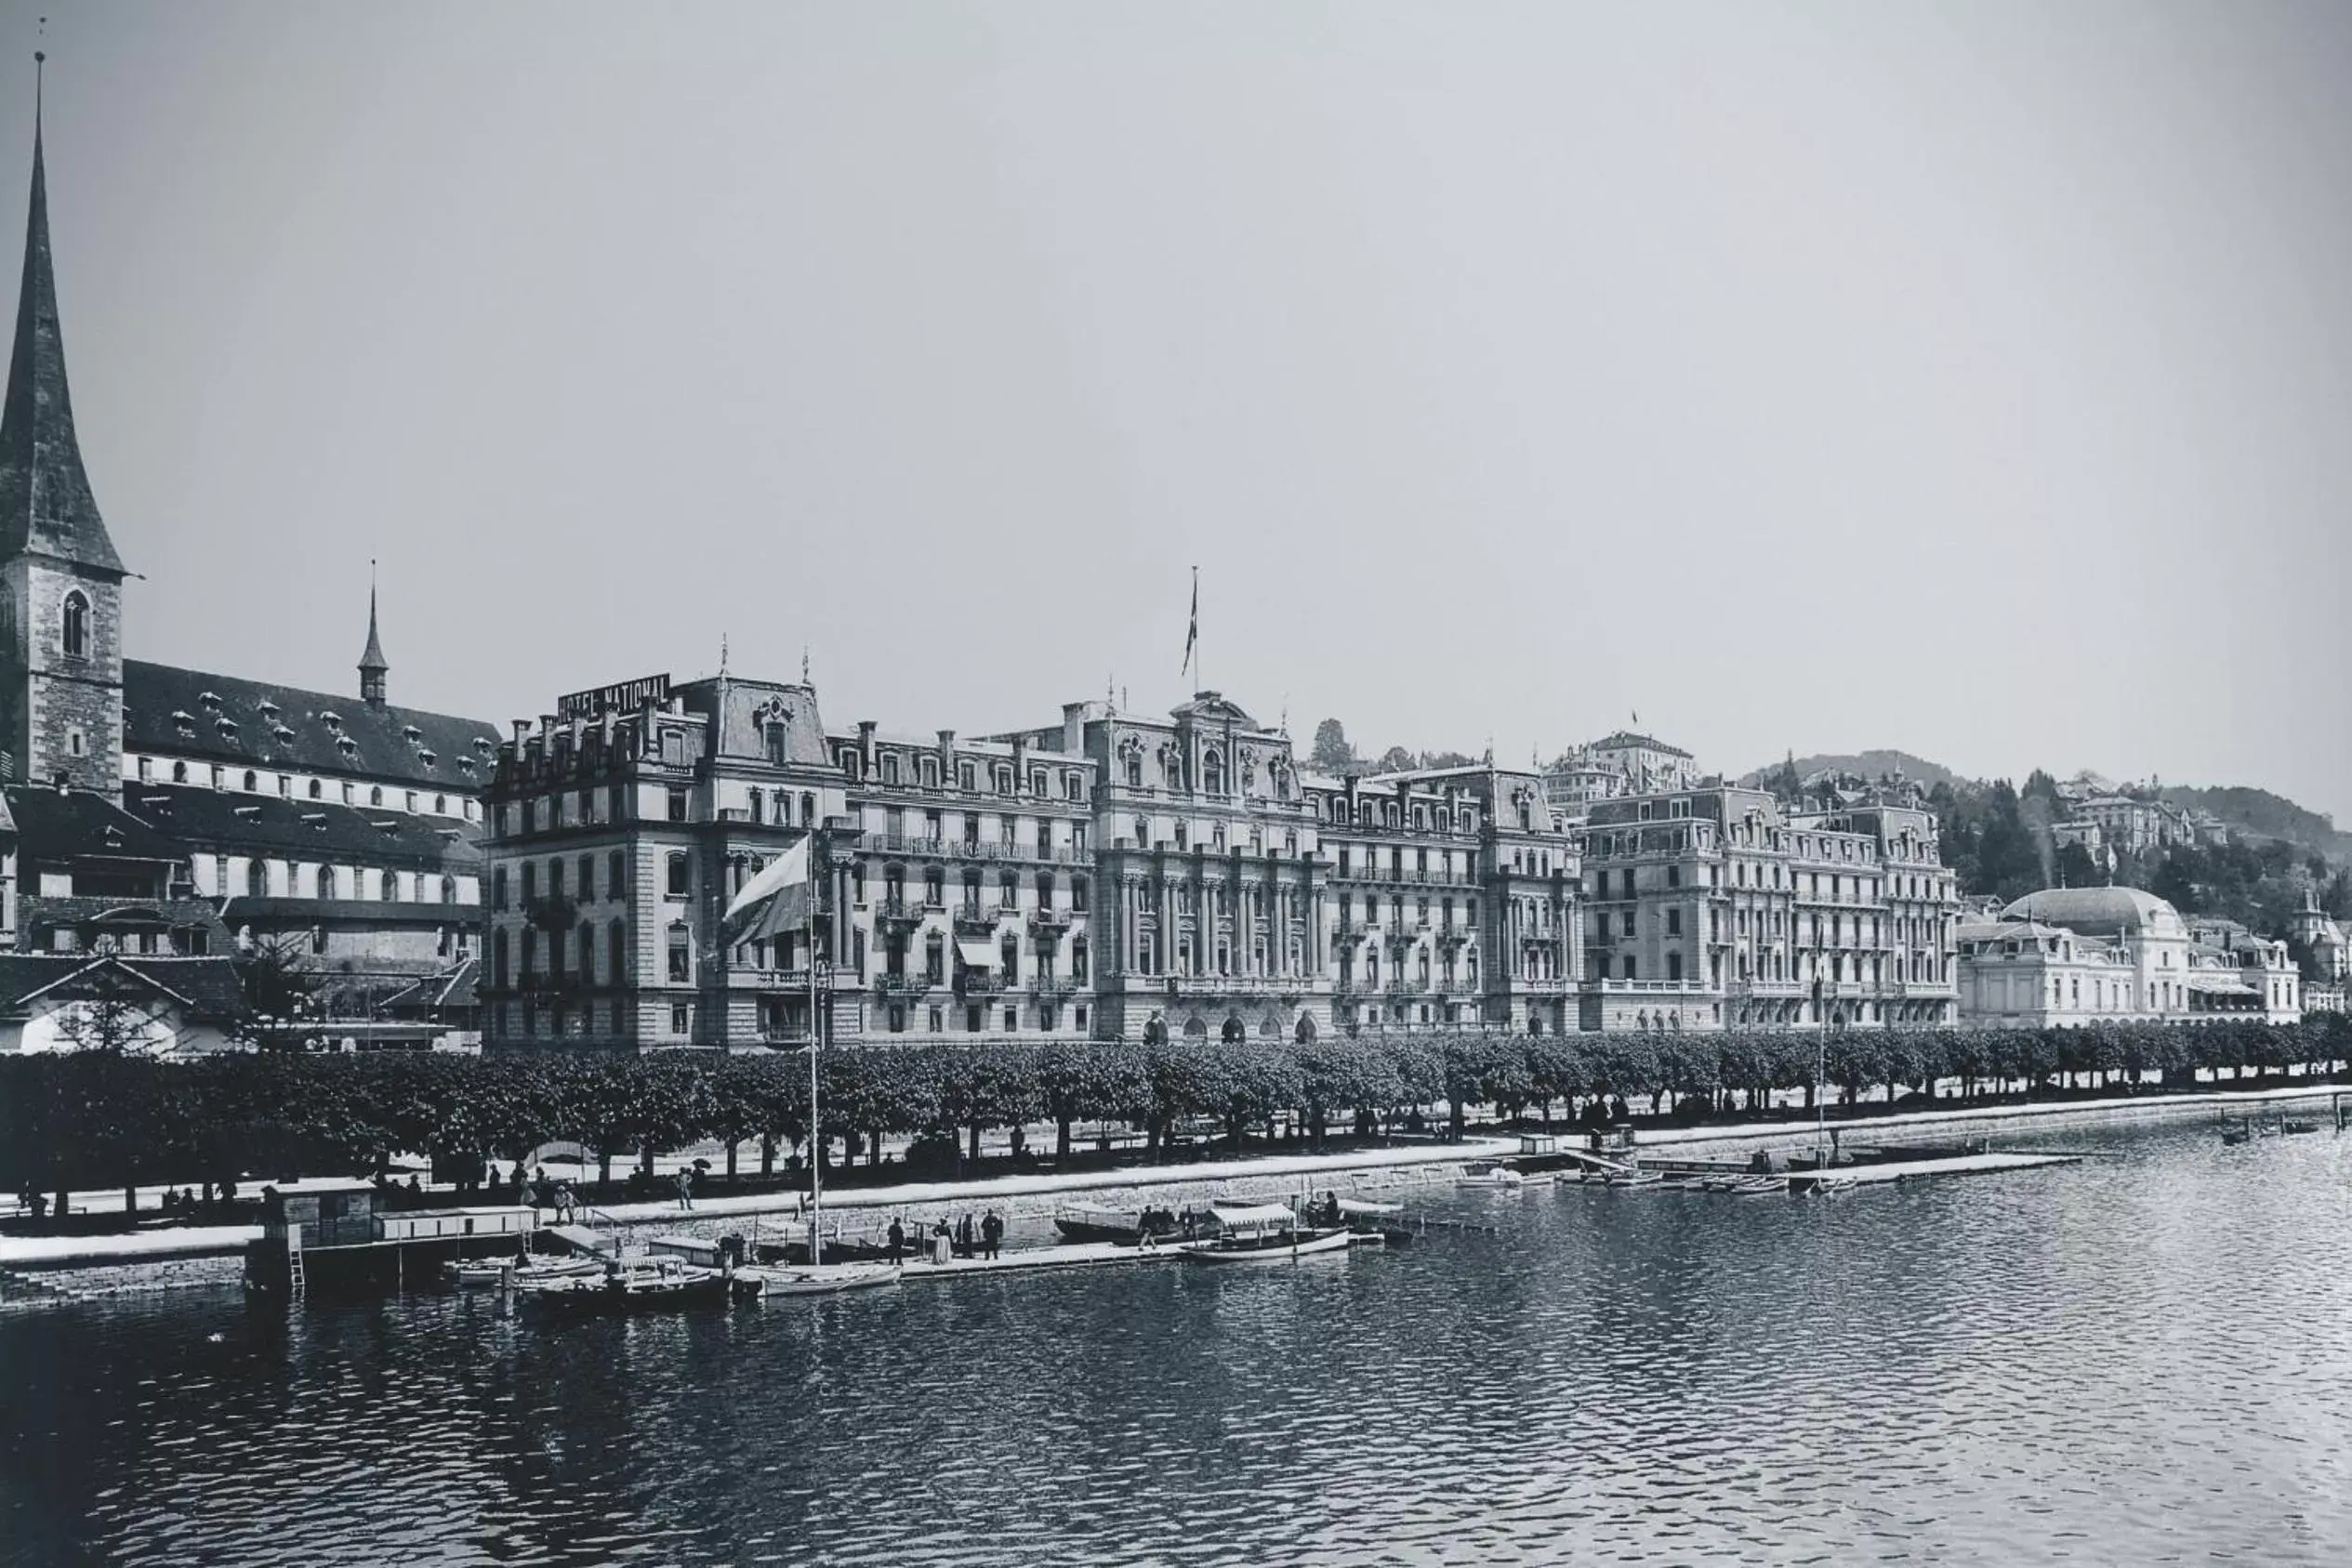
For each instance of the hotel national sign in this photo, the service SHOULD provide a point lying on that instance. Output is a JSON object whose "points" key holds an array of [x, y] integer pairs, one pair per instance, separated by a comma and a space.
{"points": [[627, 695]]}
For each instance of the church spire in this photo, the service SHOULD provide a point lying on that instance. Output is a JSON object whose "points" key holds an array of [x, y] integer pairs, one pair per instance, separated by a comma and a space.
{"points": [[372, 666], [46, 505]]}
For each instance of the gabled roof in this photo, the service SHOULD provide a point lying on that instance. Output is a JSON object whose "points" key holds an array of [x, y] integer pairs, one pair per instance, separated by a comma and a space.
{"points": [[46, 504], [82, 825], [168, 711], [208, 987], [228, 820]]}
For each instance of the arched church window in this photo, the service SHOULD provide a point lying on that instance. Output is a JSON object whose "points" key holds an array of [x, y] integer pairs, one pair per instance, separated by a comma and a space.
{"points": [[77, 629]]}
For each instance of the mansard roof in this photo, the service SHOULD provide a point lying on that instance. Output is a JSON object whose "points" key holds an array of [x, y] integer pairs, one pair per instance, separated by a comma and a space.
{"points": [[46, 504], [1212, 707], [232, 822], [168, 711], [1626, 740]]}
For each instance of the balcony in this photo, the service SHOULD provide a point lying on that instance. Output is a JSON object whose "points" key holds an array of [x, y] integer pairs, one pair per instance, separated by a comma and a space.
{"points": [[905, 985], [980, 982], [1055, 988], [899, 844], [1049, 922], [970, 919], [898, 912], [1240, 985], [749, 979]]}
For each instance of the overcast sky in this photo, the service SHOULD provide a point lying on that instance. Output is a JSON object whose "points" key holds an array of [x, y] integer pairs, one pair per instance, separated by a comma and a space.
{"points": [[1975, 380]]}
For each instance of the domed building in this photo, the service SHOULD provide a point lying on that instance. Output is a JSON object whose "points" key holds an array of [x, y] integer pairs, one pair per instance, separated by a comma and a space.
{"points": [[2067, 956]]}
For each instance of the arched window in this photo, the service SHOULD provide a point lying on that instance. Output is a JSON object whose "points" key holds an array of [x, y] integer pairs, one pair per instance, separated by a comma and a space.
{"points": [[318, 790], [326, 882], [253, 782], [257, 878], [1134, 769], [808, 810], [76, 633], [375, 796], [1077, 960], [179, 773], [1213, 778]]}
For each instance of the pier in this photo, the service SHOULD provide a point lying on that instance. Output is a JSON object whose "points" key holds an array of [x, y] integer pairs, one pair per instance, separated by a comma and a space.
{"points": [[1802, 1182]]}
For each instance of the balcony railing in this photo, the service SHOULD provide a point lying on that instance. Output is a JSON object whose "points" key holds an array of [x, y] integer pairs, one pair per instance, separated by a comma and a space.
{"points": [[906, 984]]}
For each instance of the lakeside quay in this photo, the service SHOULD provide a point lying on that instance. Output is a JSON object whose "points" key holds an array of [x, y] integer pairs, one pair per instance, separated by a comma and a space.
{"points": [[1039, 1192]]}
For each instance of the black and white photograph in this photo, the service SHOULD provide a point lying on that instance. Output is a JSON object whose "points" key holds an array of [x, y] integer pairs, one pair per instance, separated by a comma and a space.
{"points": [[969, 783]]}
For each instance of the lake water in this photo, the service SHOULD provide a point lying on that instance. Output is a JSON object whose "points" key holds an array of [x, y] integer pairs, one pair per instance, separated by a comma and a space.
{"points": [[2142, 1359]]}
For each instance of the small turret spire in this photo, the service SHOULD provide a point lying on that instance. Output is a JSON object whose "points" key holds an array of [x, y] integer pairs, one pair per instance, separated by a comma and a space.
{"points": [[372, 666]]}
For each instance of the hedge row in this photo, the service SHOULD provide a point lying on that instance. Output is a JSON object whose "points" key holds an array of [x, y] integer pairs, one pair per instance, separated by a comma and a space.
{"points": [[100, 1119]]}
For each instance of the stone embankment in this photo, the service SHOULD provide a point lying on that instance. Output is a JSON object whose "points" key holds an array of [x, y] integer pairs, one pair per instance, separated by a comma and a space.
{"points": [[54, 1268]]}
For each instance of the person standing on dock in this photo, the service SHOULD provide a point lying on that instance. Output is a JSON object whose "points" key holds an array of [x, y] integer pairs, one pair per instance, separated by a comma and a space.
{"points": [[992, 1230], [686, 1189], [898, 1238]]}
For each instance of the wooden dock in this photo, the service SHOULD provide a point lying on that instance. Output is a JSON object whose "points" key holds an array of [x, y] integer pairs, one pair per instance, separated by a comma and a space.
{"points": [[1802, 1181]]}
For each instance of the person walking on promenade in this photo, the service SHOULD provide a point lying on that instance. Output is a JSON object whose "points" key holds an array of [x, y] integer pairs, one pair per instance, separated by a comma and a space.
{"points": [[567, 1202], [898, 1238], [963, 1237], [686, 1189], [992, 1230]]}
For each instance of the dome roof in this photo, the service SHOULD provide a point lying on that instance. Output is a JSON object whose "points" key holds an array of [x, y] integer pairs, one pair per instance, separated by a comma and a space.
{"points": [[2100, 911]]}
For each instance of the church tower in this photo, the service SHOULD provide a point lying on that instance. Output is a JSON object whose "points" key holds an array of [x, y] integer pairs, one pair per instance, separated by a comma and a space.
{"points": [[60, 580]]}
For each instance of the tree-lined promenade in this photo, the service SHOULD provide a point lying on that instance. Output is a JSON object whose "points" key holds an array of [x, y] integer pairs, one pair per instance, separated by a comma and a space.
{"points": [[101, 1119]]}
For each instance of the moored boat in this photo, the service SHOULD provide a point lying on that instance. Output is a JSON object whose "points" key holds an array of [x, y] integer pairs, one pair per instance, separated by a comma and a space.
{"points": [[1099, 1223], [1490, 1173], [1262, 1233], [645, 1285], [476, 1274], [823, 1279]]}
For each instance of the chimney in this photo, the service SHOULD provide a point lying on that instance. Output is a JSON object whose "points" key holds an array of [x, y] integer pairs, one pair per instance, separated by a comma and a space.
{"points": [[1019, 763], [1073, 728], [865, 728], [946, 753]]}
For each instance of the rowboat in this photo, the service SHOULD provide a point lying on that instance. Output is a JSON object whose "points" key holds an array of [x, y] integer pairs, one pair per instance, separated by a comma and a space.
{"points": [[1487, 1173], [1262, 1233], [1099, 1223], [1632, 1178], [823, 1279], [1363, 1208], [481, 1272]]}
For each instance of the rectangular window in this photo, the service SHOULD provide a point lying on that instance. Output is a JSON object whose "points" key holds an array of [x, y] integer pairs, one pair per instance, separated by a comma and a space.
{"points": [[938, 1020], [678, 805], [971, 1019], [681, 1018], [1013, 1020], [1674, 922]]}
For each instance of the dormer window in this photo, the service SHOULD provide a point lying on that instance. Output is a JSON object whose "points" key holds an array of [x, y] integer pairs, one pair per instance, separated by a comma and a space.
{"points": [[282, 734], [210, 700], [267, 707], [426, 757], [332, 719], [226, 725], [413, 732]]}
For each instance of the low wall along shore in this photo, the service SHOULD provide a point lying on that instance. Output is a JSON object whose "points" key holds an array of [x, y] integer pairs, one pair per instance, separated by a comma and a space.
{"points": [[48, 1269]]}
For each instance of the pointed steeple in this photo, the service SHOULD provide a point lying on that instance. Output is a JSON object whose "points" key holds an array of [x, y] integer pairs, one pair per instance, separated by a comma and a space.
{"points": [[372, 666], [46, 505]]}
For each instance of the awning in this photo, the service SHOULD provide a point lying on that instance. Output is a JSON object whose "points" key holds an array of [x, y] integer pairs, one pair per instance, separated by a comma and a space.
{"points": [[978, 955], [2227, 986], [1259, 1214]]}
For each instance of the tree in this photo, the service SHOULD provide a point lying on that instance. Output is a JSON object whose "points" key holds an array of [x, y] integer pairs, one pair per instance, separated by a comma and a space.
{"points": [[104, 1010], [1331, 754], [2075, 868], [277, 980]]}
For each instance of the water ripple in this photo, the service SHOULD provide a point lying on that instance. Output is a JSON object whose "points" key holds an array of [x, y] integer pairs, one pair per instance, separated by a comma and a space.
{"points": [[2142, 1359]]}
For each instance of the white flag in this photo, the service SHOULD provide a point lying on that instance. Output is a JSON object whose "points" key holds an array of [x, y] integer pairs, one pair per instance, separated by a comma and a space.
{"points": [[779, 899]]}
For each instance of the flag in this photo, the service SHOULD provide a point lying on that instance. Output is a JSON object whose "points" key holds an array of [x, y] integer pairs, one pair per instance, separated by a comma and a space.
{"points": [[1192, 635], [779, 899]]}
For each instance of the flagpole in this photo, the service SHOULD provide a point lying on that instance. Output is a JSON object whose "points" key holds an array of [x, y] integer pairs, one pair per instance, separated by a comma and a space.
{"points": [[816, 1134]]}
